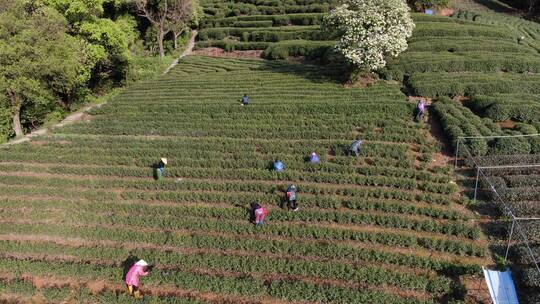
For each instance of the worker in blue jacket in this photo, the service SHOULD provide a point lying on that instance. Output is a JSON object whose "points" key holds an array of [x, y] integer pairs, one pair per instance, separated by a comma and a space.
{"points": [[245, 100], [356, 147]]}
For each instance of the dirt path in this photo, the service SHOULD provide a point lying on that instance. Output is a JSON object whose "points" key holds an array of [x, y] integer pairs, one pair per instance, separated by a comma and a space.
{"points": [[189, 49], [445, 155], [77, 116]]}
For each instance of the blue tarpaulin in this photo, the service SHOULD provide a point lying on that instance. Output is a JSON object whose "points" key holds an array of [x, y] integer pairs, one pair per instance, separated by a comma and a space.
{"points": [[501, 286], [429, 12]]}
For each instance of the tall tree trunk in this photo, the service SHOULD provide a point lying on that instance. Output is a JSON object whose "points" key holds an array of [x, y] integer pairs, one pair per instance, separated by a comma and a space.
{"points": [[160, 37], [17, 127]]}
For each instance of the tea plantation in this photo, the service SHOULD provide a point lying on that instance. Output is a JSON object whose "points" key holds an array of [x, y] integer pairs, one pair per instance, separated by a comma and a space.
{"points": [[383, 228], [391, 226], [488, 61], [491, 60]]}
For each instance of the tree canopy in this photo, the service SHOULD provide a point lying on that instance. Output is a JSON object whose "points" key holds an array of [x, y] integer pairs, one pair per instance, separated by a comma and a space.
{"points": [[169, 16], [40, 63], [56, 52], [370, 30]]}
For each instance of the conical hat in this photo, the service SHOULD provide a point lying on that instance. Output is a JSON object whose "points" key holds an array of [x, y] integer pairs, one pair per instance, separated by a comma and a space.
{"points": [[141, 263], [164, 160]]}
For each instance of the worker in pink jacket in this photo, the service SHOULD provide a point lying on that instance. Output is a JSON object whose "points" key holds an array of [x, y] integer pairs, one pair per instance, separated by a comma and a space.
{"points": [[132, 278], [259, 213]]}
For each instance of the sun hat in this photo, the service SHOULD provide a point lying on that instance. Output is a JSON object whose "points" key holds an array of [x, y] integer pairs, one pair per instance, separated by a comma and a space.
{"points": [[141, 263], [164, 160]]}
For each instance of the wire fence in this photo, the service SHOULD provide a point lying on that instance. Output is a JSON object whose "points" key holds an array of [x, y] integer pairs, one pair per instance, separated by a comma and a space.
{"points": [[524, 222]]}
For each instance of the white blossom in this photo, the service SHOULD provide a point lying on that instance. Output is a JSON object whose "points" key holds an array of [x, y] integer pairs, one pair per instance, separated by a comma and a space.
{"points": [[371, 30]]}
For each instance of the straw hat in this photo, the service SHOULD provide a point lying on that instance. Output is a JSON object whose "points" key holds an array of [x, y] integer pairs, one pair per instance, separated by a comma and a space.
{"points": [[313, 154], [141, 263], [164, 160]]}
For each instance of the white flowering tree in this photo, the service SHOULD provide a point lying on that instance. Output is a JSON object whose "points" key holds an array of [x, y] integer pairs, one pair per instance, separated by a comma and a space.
{"points": [[370, 30]]}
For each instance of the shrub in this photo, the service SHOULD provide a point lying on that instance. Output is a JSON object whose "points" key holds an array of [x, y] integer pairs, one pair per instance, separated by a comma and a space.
{"points": [[262, 35], [310, 49], [534, 141], [470, 84], [530, 277], [447, 30], [458, 121], [510, 145], [524, 108], [262, 23], [232, 45]]}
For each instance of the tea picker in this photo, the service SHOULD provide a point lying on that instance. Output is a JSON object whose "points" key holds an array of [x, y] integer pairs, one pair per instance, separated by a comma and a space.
{"points": [[139, 269], [355, 147], [278, 166], [291, 197], [259, 213], [314, 158], [159, 169], [420, 110], [245, 100]]}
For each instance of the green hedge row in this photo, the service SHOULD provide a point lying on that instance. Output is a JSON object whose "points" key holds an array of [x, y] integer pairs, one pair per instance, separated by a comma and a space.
{"points": [[278, 50], [465, 44], [436, 84], [448, 30], [285, 2], [261, 34], [458, 121], [524, 108], [423, 18], [411, 63], [309, 49], [219, 33], [241, 9], [230, 45], [277, 20], [262, 23]]}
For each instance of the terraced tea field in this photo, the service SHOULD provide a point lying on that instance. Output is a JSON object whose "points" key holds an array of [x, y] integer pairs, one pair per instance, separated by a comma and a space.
{"points": [[489, 63], [384, 228]]}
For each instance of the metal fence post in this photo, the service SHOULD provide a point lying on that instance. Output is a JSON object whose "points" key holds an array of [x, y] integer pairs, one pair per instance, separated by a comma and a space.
{"points": [[509, 239], [476, 184]]}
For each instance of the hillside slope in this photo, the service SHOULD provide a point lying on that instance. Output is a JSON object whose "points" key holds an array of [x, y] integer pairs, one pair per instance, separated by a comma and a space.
{"points": [[385, 228]]}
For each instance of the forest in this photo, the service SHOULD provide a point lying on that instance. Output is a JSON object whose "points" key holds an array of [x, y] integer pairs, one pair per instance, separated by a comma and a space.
{"points": [[56, 55]]}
